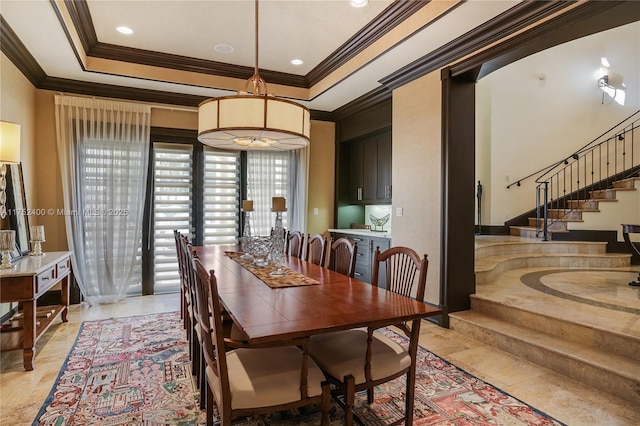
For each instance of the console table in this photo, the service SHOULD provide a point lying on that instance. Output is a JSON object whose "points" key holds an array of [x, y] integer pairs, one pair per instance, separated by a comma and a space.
{"points": [[32, 277]]}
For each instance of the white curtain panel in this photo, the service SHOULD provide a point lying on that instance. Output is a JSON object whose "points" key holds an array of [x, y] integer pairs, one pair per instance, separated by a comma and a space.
{"points": [[277, 174], [104, 151]]}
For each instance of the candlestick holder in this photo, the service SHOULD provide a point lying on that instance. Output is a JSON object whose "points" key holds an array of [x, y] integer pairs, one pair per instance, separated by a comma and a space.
{"points": [[245, 240], [277, 247], [7, 244]]}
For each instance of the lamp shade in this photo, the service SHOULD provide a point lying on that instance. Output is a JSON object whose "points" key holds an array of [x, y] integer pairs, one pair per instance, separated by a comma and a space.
{"points": [[253, 122], [9, 142]]}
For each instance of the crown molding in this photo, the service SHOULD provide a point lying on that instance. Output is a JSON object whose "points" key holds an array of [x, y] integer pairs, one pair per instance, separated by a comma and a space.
{"points": [[16, 51], [507, 23]]}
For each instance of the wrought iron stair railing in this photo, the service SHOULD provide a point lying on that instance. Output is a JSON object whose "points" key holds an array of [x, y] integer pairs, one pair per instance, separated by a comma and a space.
{"points": [[568, 184]]}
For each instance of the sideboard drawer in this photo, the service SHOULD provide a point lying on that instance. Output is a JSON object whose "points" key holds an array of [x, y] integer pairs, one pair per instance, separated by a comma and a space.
{"points": [[64, 267], [46, 278]]}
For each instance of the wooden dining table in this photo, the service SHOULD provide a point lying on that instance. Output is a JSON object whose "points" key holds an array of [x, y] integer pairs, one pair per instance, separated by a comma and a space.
{"points": [[338, 302]]}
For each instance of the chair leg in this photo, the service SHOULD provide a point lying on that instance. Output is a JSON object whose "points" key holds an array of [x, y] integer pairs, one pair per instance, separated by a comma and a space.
{"points": [[410, 395], [349, 399], [203, 379], [370, 396], [209, 404], [326, 403]]}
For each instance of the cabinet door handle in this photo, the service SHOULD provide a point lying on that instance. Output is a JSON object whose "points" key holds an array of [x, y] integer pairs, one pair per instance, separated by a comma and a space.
{"points": [[359, 194], [357, 274]]}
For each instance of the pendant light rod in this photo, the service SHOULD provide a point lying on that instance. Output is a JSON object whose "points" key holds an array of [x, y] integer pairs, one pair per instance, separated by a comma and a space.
{"points": [[258, 83]]}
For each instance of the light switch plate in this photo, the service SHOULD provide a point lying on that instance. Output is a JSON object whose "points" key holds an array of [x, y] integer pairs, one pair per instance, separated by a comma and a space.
{"points": [[399, 211]]}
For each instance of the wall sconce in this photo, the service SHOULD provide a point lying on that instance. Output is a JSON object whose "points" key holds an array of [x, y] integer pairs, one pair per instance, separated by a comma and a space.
{"points": [[612, 85], [9, 153]]}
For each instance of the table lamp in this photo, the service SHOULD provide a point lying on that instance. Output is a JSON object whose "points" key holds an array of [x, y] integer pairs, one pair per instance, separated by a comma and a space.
{"points": [[7, 245], [37, 238]]}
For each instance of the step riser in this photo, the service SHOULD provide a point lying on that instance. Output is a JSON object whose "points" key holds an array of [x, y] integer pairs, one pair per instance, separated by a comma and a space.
{"points": [[541, 247], [600, 378], [582, 204], [552, 225], [606, 194], [564, 214], [486, 277], [603, 340]]}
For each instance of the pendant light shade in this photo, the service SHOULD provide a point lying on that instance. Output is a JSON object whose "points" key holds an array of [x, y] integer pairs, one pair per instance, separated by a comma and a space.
{"points": [[259, 122], [253, 121]]}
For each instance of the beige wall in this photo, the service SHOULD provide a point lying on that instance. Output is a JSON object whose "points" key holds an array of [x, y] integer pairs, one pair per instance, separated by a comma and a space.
{"points": [[321, 177], [35, 110], [417, 172], [18, 105]]}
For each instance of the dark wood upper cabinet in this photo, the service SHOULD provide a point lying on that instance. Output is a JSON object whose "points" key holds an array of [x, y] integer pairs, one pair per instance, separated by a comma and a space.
{"points": [[369, 165], [383, 169]]}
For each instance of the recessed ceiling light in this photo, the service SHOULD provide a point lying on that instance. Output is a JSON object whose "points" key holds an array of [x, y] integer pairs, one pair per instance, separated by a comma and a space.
{"points": [[359, 3], [124, 30], [223, 48], [604, 62], [297, 61]]}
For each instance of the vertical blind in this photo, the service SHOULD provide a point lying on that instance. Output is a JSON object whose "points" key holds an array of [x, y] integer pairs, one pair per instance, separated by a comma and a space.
{"points": [[172, 209]]}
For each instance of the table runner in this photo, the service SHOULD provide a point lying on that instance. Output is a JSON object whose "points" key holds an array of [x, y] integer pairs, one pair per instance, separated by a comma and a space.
{"points": [[291, 279]]}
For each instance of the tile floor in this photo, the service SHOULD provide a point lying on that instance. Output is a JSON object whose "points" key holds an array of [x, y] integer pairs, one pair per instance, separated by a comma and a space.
{"points": [[22, 393]]}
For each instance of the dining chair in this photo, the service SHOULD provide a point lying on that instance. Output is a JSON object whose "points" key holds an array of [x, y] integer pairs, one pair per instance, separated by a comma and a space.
{"points": [[183, 285], [295, 244], [355, 360], [342, 256], [316, 249], [254, 379], [195, 344]]}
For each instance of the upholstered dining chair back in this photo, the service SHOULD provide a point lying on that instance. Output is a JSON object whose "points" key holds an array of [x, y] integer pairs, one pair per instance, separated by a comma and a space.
{"points": [[295, 244], [294, 379], [316, 249], [342, 256]]}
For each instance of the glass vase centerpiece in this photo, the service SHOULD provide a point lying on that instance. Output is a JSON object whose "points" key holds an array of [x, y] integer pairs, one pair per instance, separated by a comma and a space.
{"points": [[278, 205], [260, 248], [245, 240]]}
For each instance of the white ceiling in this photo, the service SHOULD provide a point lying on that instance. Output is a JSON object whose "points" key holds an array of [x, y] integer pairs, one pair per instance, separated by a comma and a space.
{"points": [[306, 29]]}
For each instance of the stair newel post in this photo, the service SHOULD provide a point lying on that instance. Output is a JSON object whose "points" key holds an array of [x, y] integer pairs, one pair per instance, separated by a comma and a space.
{"points": [[545, 212]]}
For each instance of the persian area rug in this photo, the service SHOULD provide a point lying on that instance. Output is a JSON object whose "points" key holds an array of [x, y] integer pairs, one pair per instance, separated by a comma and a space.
{"points": [[136, 371], [445, 396], [126, 371]]}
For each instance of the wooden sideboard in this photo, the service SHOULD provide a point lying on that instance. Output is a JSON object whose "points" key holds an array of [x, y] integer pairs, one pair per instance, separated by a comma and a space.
{"points": [[32, 277]]}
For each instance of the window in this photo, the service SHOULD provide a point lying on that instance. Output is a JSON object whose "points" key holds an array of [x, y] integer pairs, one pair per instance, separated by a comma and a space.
{"points": [[221, 196], [195, 190], [172, 209]]}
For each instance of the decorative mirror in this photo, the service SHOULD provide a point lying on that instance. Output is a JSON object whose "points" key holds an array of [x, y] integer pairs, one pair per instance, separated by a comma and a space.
{"points": [[16, 204]]}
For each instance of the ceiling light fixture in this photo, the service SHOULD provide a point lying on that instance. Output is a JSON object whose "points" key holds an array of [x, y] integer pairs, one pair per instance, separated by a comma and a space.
{"points": [[124, 30], [223, 48], [297, 61], [253, 119], [359, 3]]}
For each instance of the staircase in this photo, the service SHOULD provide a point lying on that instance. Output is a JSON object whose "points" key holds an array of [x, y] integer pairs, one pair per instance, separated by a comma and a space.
{"points": [[533, 299], [559, 220]]}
